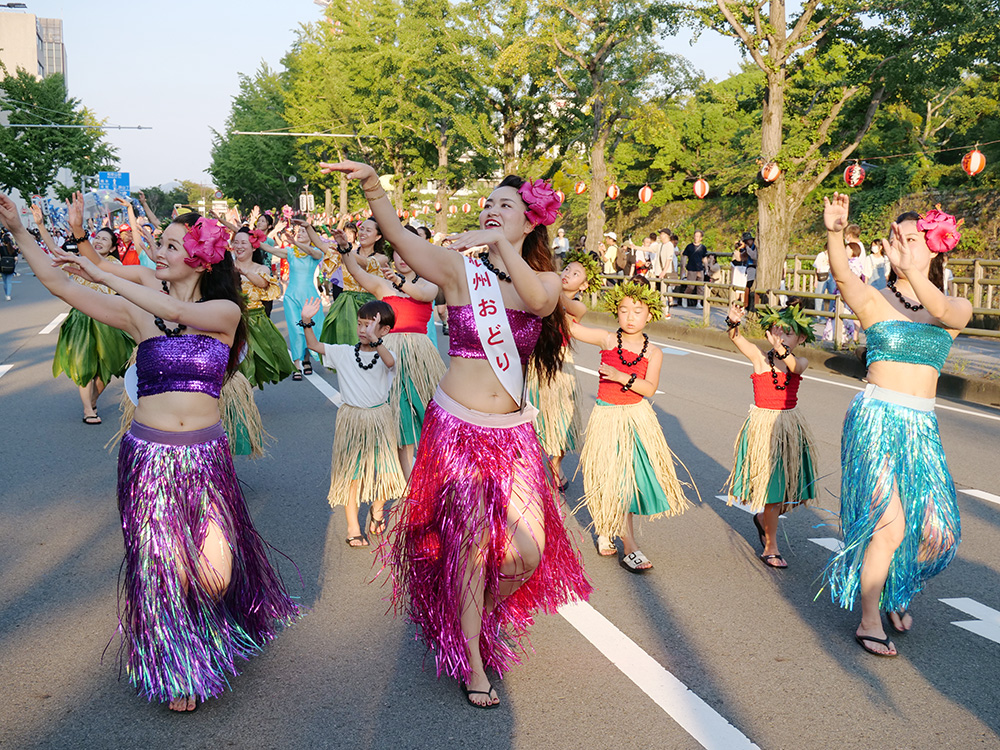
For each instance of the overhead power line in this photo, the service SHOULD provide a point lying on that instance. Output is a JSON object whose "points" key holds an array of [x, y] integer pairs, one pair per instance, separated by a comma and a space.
{"points": [[95, 127], [301, 135]]}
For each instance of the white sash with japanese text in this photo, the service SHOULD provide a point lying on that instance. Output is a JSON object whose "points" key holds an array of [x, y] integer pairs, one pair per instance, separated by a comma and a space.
{"points": [[493, 328]]}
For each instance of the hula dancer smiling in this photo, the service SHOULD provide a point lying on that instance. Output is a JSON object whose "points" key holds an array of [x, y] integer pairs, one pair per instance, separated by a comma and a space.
{"points": [[365, 466], [898, 509], [773, 470], [628, 468], [559, 423]]}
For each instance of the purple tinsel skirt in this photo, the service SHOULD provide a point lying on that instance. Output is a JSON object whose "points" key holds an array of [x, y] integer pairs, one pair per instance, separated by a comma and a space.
{"points": [[465, 467], [178, 640]]}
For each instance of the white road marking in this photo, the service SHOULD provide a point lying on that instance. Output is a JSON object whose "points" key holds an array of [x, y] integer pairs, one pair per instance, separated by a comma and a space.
{"points": [[54, 324], [987, 622], [4, 369], [331, 393], [744, 508], [696, 717], [673, 351], [982, 495], [848, 386], [596, 374], [830, 543]]}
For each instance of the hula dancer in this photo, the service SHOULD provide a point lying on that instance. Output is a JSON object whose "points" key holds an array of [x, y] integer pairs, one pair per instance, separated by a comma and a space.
{"points": [[340, 326], [773, 469], [267, 359], [628, 468], [898, 509], [199, 593], [420, 367], [479, 543], [88, 351], [365, 466], [559, 423]]}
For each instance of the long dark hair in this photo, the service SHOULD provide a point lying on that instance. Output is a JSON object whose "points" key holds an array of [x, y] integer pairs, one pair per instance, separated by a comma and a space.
{"points": [[936, 272], [222, 282], [547, 357], [379, 247], [114, 242]]}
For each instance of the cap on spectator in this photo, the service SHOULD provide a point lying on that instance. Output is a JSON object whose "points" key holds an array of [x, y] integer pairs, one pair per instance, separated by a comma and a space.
{"points": [[747, 236], [612, 235]]}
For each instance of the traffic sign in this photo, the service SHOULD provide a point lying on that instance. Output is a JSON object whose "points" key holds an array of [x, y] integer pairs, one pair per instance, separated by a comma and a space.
{"points": [[116, 182]]}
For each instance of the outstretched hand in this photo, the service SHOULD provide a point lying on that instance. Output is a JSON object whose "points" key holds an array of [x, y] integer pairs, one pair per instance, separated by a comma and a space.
{"points": [[353, 170], [474, 239], [8, 213], [371, 328], [835, 212], [37, 215], [736, 312], [310, 307], [74, 210], [896, 250], [78, 265], [775, 341], [391, 276]]}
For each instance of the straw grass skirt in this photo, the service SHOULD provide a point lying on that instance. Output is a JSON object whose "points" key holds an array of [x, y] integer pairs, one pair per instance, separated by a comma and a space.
{"points": [[419, 370], [559, 423], [365, 449]]}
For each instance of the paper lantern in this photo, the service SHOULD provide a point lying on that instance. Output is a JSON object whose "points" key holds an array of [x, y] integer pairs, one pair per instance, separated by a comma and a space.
{"points": [[561, 196], [437, 206], [399, 213], [580, 188], [973, 162], [854, 175], [453, 210], [613, 191], [425, 210], [646, 194], [482, 201], [700, 187], [406, 214], [770, 172], [466, 208]]}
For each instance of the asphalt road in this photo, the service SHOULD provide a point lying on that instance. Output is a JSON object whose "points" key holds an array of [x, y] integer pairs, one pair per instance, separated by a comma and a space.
{"points": [[711, 648]]}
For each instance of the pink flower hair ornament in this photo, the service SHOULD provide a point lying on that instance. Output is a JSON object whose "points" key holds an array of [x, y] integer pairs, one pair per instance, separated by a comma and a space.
{"points": [[206, 242], [543, 203], [257, 238], [940, 230]]}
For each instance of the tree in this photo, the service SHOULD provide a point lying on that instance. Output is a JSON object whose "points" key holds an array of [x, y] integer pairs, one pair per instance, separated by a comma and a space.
{"points": [[31, 157], [833, 65], [607, 59], [254, 169]]}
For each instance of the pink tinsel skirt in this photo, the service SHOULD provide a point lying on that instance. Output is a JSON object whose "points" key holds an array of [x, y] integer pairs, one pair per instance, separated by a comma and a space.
{"points": [[466, 465]]}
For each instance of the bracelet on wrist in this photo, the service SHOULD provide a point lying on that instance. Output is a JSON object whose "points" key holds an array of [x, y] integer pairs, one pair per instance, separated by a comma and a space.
{"points": [[310, 324], [732, 323], [630, 383], [786, 355], [77, 240], [398, 285], [344, 249]]}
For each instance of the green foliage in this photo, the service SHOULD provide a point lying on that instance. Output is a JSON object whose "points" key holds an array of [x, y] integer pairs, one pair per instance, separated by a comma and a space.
{"points": [[252, 169], [31, 157]]}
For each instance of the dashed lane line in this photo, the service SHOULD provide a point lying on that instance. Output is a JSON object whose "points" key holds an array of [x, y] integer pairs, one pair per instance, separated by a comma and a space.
{"points": [[982, 495], [54, 324], [987, 622], [4, 369]]}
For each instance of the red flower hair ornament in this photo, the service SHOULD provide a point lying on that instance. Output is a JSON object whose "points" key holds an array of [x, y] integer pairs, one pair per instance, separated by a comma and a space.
{"points": [[543, 203], [257, 238], [206, 242], [940, 230]]}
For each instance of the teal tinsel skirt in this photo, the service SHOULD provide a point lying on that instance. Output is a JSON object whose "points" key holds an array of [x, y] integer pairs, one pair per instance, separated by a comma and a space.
{"points": [[341, 324], [887, 448], [89, 349]]}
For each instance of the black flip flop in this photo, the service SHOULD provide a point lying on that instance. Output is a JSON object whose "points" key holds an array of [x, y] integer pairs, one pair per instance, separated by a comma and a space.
{"points": [[91, 419], [900, 615], [357, 538], [487, 693], [764, 559], [884, 641]]}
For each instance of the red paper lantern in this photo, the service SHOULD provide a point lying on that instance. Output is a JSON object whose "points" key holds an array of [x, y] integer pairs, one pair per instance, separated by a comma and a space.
{"points": [[770, 172], [453, 210], [399, 213], [482, 201], [425, 210], [580, 188], [646, 194], [437, 206], [973, 162], [406, 215], [466, 208], [700, 188], [561, 196], [854, 175], [613, 191]]}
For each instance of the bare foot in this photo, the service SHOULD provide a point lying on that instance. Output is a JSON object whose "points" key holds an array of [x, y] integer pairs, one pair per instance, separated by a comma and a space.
{"points": [[184, 703], [902, 622]]}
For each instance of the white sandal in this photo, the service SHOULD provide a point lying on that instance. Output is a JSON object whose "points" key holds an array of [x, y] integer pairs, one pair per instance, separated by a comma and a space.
{"points": [[606, 547], [633, 560]]}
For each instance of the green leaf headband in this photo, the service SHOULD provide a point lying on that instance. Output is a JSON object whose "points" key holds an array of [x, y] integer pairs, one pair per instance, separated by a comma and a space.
{"points": [[590, 266], [637, 291], [792, 317]]}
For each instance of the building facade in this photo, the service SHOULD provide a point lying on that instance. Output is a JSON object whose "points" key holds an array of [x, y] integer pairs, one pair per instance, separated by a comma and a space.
{"points": [[32, 43]]}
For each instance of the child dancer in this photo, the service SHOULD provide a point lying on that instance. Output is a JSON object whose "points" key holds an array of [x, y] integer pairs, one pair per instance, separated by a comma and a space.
{"points": [[773, 456], [628, 468], [365, 466], [420, 365], [559, 424]]}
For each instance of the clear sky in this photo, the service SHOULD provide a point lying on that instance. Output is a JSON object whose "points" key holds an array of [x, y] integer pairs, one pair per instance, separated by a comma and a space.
{"points": [[174, 66]]}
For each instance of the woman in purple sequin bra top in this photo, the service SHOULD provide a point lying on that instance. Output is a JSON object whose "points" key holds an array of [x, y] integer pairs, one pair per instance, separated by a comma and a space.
{"points": [[479, 473], [199, 593]]}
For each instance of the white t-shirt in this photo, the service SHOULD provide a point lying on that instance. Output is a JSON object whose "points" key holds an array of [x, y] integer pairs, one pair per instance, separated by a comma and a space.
{"points": [[361, 388]]}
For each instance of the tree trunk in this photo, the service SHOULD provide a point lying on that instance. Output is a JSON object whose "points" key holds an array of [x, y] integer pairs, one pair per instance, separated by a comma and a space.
{"points": [[441, 219], [598, 179]]}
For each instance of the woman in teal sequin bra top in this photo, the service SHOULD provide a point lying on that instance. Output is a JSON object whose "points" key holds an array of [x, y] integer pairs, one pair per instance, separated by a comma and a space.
{"points": [[899, 514]]}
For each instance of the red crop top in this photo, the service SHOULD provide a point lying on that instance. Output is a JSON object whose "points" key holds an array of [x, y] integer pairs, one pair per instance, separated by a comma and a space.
{"points": [[412, 316], [766, 396], [609, 391]]}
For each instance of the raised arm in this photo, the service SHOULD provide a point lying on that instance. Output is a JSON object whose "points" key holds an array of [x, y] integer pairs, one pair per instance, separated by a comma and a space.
{"points": [[574, 307], [747, 349], [147, 209], [369, 282], [858, 295], [588, 335], [441, 265], [74, 214], [315, 252], [421, 290]]}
